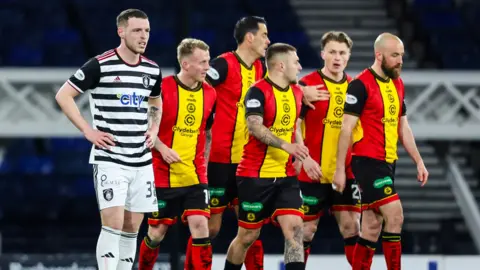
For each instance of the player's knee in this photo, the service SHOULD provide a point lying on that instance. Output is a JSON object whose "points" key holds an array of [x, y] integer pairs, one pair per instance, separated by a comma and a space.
{"points": [[394, 220], [199, 226], [309, 230], [157, 233], [214, 225], [349, 228], [132, 222], [247, 237]]}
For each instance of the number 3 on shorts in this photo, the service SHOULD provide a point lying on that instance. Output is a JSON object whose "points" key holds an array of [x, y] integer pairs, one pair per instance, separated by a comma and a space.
{"points": [[207, 197], [355, 192]]}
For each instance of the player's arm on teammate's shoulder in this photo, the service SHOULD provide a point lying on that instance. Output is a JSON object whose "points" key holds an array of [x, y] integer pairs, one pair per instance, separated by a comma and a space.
{"points": [[218, 71], [208, 134], [408, 140], [254, 104], [85, 78], [155, 109], [312, 93]]}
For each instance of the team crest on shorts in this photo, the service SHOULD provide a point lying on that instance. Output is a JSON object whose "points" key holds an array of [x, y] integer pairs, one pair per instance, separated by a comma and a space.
{"points": [[108, 194], [250, 216], [146, 80]]}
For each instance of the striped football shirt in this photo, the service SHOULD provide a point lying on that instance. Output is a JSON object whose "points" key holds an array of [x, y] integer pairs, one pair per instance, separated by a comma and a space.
{"points": [[119, 94]]}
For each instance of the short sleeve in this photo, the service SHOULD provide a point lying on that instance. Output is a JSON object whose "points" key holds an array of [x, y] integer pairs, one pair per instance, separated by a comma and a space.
{"points": [[254, 102], [302, 83], [356, 98], [218, 71], [404, 109], [210, 118], [303, 111], [86, 77], [157, 87]]}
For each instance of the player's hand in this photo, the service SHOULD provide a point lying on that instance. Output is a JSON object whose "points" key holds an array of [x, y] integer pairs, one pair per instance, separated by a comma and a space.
{"points": [[151, 135], [299, 151], [339, 180], [169, 155], [422, 173], [99, 138], [312, 93], [312, 169], [298, 166]]}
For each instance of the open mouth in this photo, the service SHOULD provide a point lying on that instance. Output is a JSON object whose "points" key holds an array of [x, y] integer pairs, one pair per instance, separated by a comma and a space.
{"points": [[336, 65]]}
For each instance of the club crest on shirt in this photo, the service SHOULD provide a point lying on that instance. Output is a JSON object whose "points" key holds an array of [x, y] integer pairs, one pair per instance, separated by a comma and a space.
{"points": [[213, 73], [146, 80], [79, 75]]}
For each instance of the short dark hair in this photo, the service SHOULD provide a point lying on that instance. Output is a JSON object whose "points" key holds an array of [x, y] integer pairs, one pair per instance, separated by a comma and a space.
{"points": [[246, 25], [337, 36], [277, 48], [122, 18]]}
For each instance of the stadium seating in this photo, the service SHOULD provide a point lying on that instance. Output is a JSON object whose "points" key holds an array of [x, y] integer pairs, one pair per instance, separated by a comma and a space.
{"points": [[84, 28], [450, 25]]}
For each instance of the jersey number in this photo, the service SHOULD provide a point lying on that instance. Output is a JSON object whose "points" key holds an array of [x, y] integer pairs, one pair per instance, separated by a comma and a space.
{"points": [[355, 192], [149, 189], [207, 197]]}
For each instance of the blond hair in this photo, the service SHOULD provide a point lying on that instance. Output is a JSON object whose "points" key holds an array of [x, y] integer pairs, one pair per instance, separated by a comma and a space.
{"points": [[188, 45]]}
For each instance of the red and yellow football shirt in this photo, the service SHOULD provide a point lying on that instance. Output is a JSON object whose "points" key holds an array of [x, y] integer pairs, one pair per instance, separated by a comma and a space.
{"points": [[280, 108], [322, 126], [231, 78], [187, 114], [379, 104]]}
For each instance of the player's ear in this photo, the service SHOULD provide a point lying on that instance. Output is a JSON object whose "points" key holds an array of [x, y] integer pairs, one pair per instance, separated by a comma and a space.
{"points": [[249, 37], [379, 56], [322, 54], [121, 32]]}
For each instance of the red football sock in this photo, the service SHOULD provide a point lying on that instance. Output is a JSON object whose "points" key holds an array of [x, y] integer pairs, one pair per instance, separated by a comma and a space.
{"points": [[306, 250], [148, 254], [349, 245], [201, 254], [392, 249], [188, 255], [254, 257], [363, 254]]}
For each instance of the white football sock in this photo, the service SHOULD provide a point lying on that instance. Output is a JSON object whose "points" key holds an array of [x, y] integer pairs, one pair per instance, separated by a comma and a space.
{"points": [[128, 249], [108, 248]]}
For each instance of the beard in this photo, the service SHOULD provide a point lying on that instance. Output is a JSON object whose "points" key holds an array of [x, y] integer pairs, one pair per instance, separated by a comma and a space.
{"points": [[391, 72]]}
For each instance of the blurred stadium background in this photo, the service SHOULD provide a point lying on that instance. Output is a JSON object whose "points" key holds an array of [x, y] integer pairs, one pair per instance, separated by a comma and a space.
{"points": [[48, 212]]}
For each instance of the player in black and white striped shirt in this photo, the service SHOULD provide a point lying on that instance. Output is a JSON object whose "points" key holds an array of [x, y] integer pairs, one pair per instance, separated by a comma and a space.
{"points": [[126, 107]]}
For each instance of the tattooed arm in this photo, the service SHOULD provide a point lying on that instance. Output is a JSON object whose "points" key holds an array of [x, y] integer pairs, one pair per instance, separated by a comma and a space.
{"points": [[208, 144], [262, 133], [154, 112]]}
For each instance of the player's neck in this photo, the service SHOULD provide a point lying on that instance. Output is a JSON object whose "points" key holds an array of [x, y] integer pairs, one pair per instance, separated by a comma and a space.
{"points": [[333, 76], [378, 69], [187, 80], [127, 55], [279, 80], [247, 55]]}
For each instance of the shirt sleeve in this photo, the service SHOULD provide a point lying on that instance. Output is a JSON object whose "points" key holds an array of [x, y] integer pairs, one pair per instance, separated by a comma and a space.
{"points": [[254, 102], [303, 111], [211, 118], [356, 98], [218, 71], [305, 108], [157, 88], [404, 109], [86, 77], [264, 68]]}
